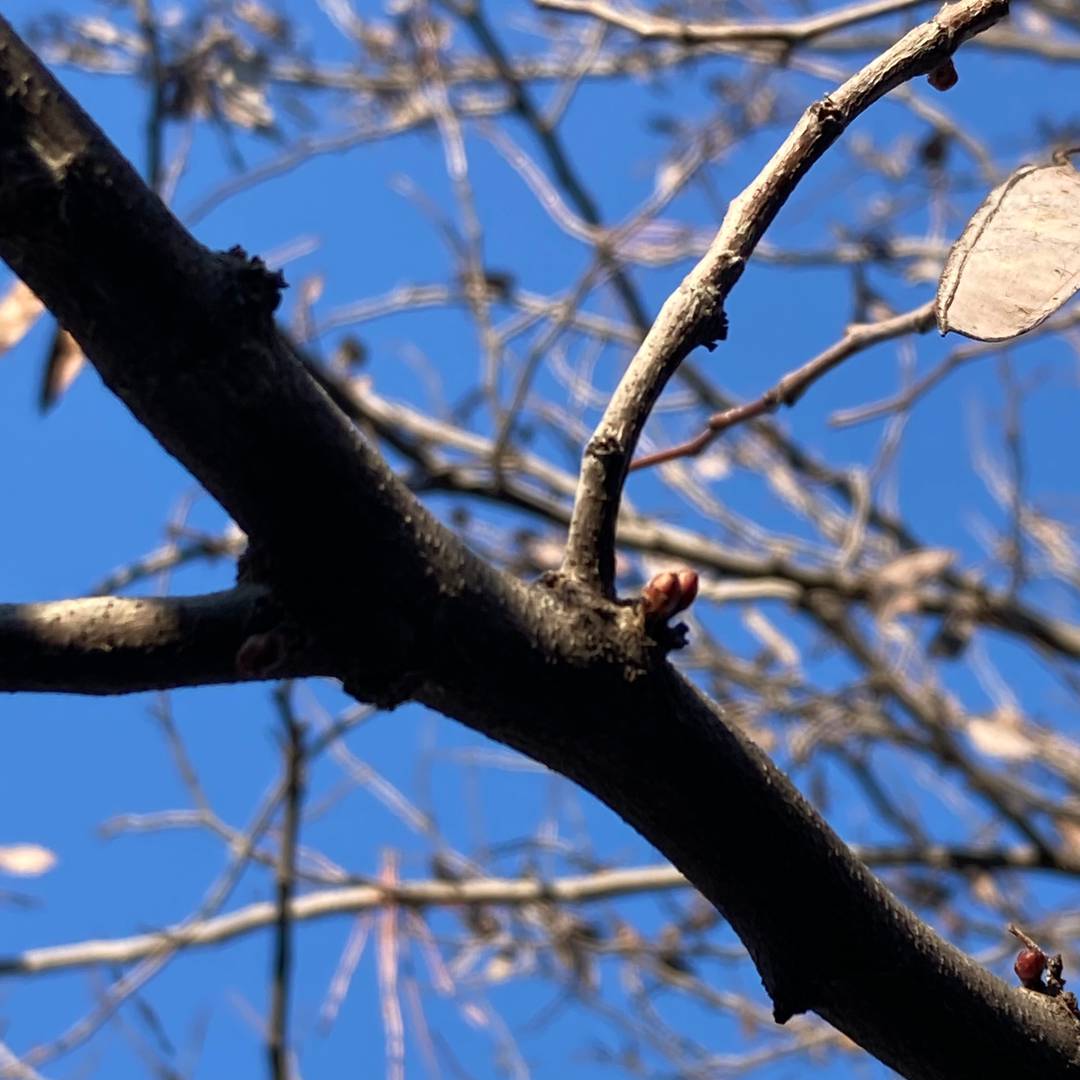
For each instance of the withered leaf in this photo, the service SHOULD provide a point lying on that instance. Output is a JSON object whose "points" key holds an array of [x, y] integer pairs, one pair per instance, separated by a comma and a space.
{"points": [[63, 364], [913, 568], [19, 310], [1018, 260], [26, 860], [1000, 735]]}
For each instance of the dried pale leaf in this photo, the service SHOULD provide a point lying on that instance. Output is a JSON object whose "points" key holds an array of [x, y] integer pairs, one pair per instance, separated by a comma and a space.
{"points": [[19, 310], [896, 604], [26, 860], [64, 363], [1018, 260], [984, 889], [475, 1015], [997, 736], [311, 289], [763, 736], [915, 567], [668, 177], [102, 32], [920, 270], [714, 466], [499, 968], [242, 88], [545, 553], [262, 19], [1069, 831]]}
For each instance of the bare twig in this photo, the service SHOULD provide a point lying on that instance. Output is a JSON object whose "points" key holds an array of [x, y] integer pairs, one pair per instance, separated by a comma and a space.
{"points": [[603, 885], [650, 26], [795, 383], [277, 1028], [693, 315]]}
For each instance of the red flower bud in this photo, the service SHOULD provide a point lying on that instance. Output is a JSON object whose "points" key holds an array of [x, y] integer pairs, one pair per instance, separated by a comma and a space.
{"points": [[944, 76], [669, 593], [1029, 966], [661, 595], [688, 586]]}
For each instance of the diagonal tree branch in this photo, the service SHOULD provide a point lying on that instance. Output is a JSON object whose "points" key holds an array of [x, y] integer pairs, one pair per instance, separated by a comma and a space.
{"points": [[401, 609]]}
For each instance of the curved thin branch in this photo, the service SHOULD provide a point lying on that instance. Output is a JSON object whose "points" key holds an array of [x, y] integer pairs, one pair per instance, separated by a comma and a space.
{"points": [[788, 390], [694, 314]]}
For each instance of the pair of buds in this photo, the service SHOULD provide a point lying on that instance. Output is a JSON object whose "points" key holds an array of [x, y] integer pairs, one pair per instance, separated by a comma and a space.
{"points": [[669, 593]]}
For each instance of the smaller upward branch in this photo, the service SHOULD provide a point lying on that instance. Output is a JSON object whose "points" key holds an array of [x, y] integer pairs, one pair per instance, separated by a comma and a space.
{"points": [[790, 389], [694, 314]]}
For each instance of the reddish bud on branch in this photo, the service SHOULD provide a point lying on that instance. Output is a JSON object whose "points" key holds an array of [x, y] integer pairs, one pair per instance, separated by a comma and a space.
{"points": [[260, 655], [669, 593], [1029, 967], [944, 76]]}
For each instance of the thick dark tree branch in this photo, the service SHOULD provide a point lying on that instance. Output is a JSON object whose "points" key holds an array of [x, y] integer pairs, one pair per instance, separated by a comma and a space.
{"points": [[115, 645], [186, 338]]}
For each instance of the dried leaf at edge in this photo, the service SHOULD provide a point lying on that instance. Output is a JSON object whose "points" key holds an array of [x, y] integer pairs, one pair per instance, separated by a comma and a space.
{"points": [[1018, 260]]}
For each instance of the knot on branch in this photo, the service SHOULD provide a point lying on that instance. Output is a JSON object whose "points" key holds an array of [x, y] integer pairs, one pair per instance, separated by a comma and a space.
{"points": [[714, 329], [663, 596], [251, 287], [706, 302], [603, 445], [829, 118]]}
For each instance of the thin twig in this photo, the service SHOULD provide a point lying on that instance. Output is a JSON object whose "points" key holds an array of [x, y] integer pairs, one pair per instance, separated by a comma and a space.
{"points": [[277, 1034], [795, 383], [694, 314], [653, 27], [603, 885]]}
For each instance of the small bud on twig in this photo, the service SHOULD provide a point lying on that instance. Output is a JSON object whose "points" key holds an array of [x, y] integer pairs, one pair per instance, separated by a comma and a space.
{"points": [[944, 76], [669, 593], [1030, 961]]}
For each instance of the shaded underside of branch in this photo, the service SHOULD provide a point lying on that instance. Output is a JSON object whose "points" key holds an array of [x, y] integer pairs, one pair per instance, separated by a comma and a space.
{"points": [[110, 645]]}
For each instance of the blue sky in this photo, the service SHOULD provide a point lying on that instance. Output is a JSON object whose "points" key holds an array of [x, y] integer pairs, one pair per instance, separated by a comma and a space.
{"points": [[86, 489]]}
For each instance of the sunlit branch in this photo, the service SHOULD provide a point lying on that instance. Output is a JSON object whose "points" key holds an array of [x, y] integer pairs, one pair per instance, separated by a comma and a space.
{"points": [[694, 314]]}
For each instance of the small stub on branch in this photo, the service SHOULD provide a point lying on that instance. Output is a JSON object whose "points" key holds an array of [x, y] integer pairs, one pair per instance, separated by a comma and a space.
{"points": [[944, 76], [1031, 964], [669, 593], [663, 596], [1018, 260], [261, 655]]}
